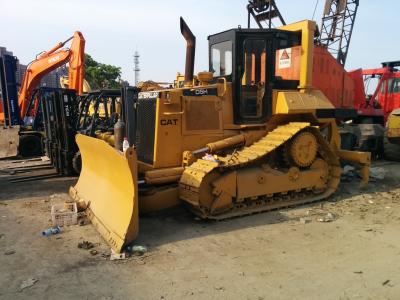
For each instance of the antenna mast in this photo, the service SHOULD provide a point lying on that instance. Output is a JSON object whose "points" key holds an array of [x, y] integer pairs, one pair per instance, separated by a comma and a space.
{"points": [[137, 67]]}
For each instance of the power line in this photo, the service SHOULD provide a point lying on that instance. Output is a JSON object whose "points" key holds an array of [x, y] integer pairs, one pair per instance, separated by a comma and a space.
{"points": [[315, 9]]}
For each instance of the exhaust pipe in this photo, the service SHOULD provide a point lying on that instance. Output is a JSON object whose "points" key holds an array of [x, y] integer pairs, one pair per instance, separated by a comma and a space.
{"points": [[190, 50]]}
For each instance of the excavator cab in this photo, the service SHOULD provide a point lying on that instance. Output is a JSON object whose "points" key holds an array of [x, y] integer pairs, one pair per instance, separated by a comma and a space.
{"points": [[255, 61]]}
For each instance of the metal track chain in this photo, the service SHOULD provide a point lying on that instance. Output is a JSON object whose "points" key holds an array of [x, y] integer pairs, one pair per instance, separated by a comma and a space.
{"points": [[248, 155]]}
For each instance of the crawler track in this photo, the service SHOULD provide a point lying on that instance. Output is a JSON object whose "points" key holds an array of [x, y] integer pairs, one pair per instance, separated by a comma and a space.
{"points": [[199, 181]]}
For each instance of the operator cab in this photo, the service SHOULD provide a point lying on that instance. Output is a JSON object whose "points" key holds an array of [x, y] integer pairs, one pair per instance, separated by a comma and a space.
{"points": [[256, 61]]}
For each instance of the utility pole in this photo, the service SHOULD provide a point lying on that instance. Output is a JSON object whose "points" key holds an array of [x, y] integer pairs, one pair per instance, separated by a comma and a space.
{"points": [[137, 68]]}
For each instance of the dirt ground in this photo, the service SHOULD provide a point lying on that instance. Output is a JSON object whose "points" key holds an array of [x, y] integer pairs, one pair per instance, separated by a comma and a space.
{"points": [[287, 254]]}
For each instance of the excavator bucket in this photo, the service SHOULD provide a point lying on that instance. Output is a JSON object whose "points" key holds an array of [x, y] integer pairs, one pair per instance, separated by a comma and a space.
{"points": [[9, 140], [107, 187]]}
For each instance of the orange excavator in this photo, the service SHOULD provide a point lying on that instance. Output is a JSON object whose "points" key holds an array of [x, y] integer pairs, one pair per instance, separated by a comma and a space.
{"points": [[31, 125], [51, 60]]}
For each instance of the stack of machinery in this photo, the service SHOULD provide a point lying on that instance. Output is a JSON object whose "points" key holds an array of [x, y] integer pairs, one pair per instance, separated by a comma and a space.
{"points": [[375, 123], [258, 131]]}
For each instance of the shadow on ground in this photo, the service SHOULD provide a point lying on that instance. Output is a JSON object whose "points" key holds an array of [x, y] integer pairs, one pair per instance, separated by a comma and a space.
{"points": [[178, 224], [42, 180]]}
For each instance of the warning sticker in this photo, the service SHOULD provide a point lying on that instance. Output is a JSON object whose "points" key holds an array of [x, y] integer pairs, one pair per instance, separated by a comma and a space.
{"points": [[285, 58]]}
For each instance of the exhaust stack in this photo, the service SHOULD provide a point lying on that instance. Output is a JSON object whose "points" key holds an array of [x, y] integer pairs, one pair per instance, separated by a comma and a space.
{"points": [[190, 50]]}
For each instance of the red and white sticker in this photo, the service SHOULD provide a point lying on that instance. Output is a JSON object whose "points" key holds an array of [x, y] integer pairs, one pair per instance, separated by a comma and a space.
{"points": [[285, 58]]}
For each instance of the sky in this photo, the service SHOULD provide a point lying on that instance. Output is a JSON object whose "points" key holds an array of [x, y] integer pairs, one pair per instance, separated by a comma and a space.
{"points": [[115, 29]]}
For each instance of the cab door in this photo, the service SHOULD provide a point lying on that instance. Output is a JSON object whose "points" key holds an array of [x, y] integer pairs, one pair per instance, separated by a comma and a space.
{"points": [[255, 75], [253, 91]]}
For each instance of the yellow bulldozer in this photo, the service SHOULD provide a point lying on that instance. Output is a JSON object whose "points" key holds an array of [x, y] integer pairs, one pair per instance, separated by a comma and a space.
{"points": [[250, 135]]}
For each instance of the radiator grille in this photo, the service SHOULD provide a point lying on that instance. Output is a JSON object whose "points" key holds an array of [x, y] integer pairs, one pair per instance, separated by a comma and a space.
{"points": [[145, 131]]}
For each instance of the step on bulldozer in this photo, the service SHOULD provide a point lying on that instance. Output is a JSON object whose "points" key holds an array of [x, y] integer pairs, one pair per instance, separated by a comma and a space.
{"points": [[250, 135]]}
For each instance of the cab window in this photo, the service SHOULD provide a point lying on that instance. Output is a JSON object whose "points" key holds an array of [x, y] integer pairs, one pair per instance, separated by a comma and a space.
{"points": [[253, 78], [383, 86], [395, 86], [221, 59]]}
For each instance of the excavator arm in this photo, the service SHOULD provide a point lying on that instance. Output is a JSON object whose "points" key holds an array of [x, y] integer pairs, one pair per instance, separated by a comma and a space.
{"points": [[49, 61], [77, 63]]}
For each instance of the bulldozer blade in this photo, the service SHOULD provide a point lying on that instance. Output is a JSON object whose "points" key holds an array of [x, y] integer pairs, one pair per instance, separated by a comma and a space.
{"points": [[108, 187], [9, 140]]}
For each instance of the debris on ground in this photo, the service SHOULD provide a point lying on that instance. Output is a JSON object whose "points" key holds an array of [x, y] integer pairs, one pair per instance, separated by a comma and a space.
{"points": [[136, 250], [117, 256], [82, 218], [305, 220], [348, 169], [348, 173], [64, 214], [385, 282], [9, 252], [105, 255], [94, 252], [329, 217], [28, 283], [209, 157], [30, 204], [86, 245], [56, 196], [377, 173], [82, 222], [2, 203], [51, 231], [81, 206]]}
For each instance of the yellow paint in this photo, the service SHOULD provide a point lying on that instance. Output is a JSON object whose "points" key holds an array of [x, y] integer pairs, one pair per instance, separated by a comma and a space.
{"points": [[187, 123], [293, 102], [393, 125], [307, 29], [108, 186]]}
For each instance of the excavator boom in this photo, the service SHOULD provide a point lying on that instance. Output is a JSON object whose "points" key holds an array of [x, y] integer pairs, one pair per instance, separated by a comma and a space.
{"points": [[49, 61], [35, 72], [77, 63]]}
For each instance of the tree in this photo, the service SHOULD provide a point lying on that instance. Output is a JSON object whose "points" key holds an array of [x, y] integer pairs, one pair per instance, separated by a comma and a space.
{"points": [[100, 75]]}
